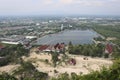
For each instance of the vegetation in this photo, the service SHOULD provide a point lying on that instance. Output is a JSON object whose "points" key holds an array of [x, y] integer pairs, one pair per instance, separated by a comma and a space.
{"points": [[12, 53], [6, 76], [108, 31], [54, 58], [28, 72], [116, 53], [99, 39], [87, 50], [25, 72]]}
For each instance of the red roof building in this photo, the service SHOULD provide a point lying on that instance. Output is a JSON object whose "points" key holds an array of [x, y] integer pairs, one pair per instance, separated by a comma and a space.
{"points": [[72, 61], [1, 46], [108, 49], [58, 47], [43, 47]]}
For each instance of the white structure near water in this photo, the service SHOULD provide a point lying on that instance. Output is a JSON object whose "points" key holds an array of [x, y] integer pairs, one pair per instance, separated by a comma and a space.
{"points": [[31, 37]]}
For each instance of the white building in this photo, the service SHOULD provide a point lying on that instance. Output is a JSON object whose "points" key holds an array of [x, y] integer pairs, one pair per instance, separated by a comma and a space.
{"points": [[8, 42], [31, 37]]}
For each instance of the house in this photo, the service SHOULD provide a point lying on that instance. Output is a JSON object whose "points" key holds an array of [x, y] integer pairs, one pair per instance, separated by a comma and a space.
{"points": [[59, 47], [43, 48], [31, 37], [55, 48], [108, 48], [72, 61], [1, 47]]}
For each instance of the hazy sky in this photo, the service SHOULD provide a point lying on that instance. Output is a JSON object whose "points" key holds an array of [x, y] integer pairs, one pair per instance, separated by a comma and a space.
{"points": [[59, 7]]}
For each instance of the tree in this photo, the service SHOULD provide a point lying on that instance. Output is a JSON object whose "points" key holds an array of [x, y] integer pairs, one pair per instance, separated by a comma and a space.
{"points": [[27, 72], [70, 47], [74, 76], [55, 58], [6, 76]]}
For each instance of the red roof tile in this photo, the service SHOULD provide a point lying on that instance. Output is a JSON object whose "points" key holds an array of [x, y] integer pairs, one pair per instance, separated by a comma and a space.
{"points": [[109, 48], [1, 46], [43, 47]]}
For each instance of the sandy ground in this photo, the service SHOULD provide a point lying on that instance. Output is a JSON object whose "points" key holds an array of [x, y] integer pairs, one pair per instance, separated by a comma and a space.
{"points": [[111, 38], [82, 66], [8, 68]]}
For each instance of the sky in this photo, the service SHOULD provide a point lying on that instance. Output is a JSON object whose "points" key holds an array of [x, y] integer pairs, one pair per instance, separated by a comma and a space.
{"points": [[59, 7]]}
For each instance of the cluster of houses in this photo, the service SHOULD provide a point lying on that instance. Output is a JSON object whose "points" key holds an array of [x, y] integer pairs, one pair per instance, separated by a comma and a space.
{"points": [[26, 41], [59, 47], [17, 39]]}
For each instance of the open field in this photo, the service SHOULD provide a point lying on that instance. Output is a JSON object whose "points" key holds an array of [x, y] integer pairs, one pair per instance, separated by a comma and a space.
{"points": [[82, 66]]}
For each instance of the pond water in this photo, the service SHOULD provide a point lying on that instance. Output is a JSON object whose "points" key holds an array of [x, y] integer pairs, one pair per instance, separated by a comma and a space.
{"points": [[75, 36]]}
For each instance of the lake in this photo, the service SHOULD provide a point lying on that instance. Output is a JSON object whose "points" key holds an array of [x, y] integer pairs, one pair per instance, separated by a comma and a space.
{"points": [[75, 36]]}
